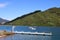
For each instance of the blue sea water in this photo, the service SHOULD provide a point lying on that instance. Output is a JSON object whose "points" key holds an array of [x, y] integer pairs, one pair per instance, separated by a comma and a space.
{"points": [[55, 31]]}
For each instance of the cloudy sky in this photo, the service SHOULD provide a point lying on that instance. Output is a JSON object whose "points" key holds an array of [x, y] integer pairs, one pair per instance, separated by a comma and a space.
{"points": [[10, 9]]}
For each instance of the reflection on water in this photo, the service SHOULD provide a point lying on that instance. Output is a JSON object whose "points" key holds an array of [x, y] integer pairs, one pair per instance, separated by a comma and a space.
{"points": [[26, 37]]}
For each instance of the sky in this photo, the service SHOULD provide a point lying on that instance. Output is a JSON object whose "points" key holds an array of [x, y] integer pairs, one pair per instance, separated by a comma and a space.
{"points": [[11, 9]]}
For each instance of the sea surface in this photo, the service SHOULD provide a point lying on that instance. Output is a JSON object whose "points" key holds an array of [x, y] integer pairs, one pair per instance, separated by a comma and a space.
{"points": [[55, 31]]}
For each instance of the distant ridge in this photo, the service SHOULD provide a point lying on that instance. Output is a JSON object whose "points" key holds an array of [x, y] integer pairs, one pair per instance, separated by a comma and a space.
{"points": [[2, 21], [49, 17]]}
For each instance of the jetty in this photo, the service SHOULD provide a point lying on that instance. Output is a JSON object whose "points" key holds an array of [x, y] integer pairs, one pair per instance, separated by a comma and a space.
{"points": [[34, 33], [31, 33]]}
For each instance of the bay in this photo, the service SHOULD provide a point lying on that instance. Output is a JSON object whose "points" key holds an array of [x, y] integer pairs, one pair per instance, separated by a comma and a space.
{"points": [[55, 31]]}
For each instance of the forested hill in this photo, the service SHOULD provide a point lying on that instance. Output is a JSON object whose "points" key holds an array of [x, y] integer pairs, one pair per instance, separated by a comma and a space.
{"points": [[49, 17]]}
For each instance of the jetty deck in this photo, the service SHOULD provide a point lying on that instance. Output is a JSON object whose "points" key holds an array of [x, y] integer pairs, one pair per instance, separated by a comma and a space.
{"points": [[33, 33]]}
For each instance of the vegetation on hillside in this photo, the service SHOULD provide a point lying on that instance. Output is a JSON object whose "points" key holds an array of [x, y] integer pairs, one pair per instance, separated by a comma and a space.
{"points": [[50, 17]]}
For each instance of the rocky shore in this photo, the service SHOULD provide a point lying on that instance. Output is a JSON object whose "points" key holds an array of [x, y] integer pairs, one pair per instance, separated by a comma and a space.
{"points": [[4, 33]]}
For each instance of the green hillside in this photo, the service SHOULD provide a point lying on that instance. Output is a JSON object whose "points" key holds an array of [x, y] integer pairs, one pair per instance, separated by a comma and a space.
{"points": [[50, 17]]}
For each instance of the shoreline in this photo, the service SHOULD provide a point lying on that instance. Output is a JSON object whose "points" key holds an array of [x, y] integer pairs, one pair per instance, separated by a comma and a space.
{"points": [[3, 36], [4, 33]]}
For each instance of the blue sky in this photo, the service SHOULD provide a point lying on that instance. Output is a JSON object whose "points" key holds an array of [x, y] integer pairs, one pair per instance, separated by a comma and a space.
{"points": [[10, 9]]}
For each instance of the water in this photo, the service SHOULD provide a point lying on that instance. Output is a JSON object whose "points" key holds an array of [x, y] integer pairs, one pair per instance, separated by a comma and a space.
{"points": [[54, 30]]}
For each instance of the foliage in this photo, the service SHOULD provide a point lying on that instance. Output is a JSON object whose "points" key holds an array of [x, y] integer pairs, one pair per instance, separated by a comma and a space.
{"points": [[50, 17]]}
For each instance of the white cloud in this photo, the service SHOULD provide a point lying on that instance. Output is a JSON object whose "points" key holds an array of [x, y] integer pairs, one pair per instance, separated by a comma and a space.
{"points": [[2, 5]]}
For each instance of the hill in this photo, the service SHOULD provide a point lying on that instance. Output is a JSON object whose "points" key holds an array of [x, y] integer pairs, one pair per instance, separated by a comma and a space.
{"points": [[49, 17], [2, 21]]}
